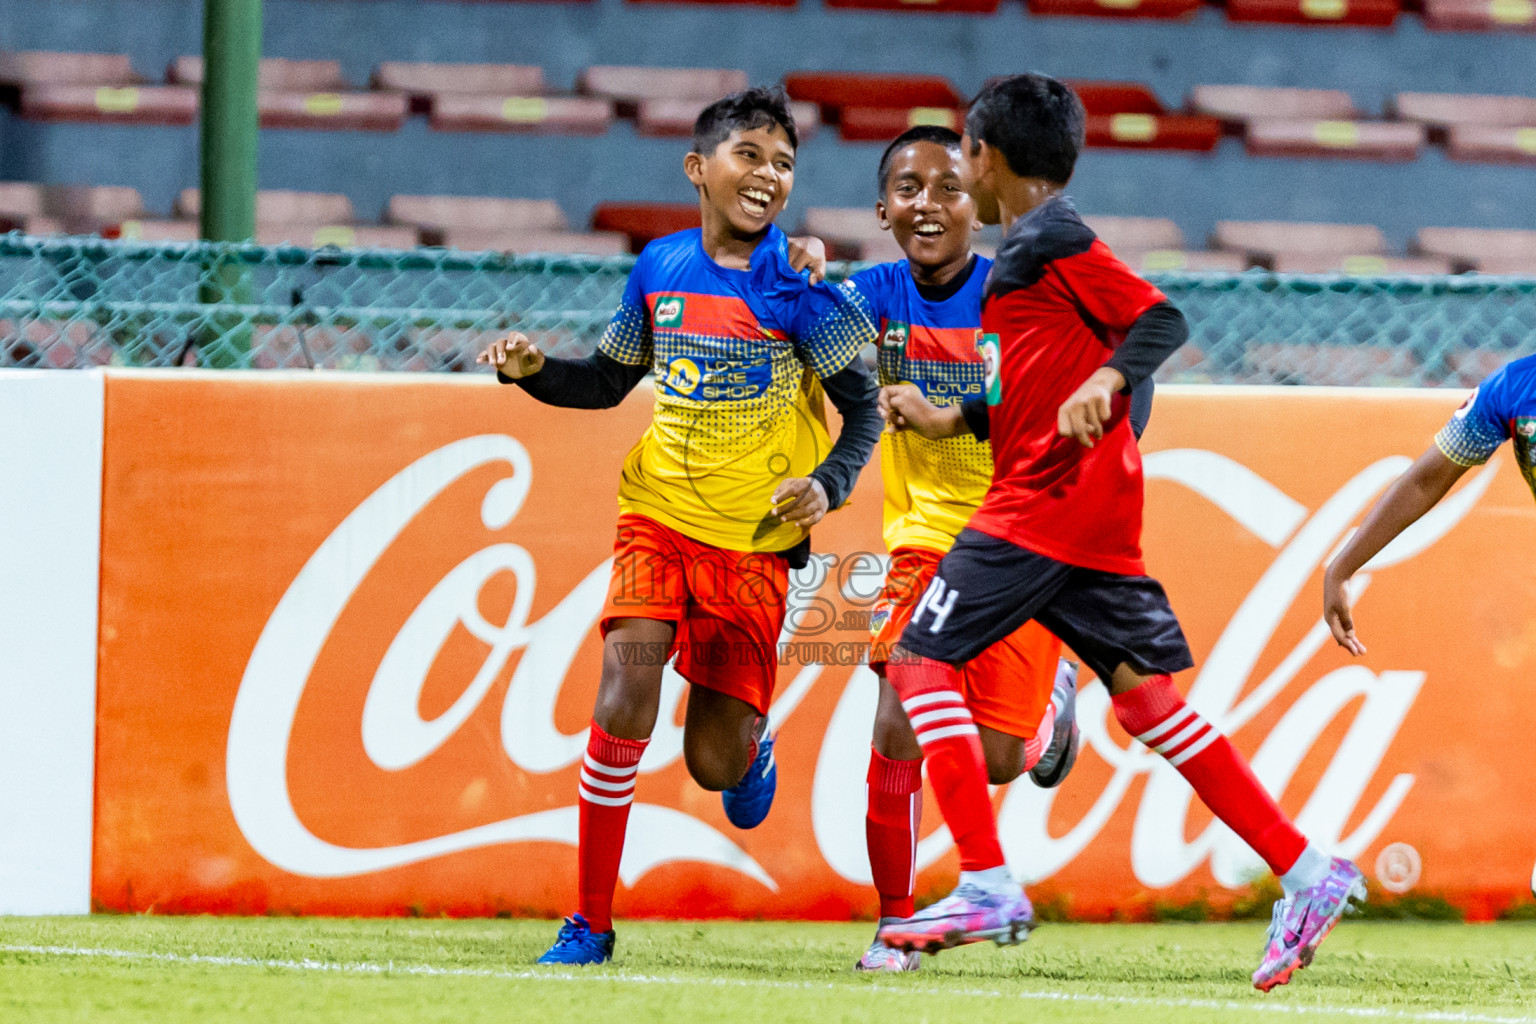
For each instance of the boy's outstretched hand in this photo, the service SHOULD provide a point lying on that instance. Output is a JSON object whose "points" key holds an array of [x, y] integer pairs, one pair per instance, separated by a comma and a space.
{"points": [[1083, 415], [1337, 614], [905, 407], [800, 500], [514, 356]]}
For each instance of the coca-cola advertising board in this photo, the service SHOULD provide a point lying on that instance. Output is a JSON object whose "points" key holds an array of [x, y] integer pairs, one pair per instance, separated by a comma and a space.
{"points": [[348, 652]]}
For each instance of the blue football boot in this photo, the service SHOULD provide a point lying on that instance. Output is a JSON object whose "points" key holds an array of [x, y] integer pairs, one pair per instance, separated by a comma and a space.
{"points": [[577, 943], [747, 802]]}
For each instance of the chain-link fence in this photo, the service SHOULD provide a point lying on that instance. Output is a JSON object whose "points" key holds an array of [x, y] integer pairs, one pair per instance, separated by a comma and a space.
{"points": [[68, 302]]}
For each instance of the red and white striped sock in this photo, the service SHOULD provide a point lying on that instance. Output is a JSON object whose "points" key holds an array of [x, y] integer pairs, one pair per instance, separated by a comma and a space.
{"points": [[607, 788], [895, 811], [1156, 714], [930, 693]]}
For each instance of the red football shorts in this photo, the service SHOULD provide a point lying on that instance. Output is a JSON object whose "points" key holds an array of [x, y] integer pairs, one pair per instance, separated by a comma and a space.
{"points": [[728, 606], [1007, 686]]}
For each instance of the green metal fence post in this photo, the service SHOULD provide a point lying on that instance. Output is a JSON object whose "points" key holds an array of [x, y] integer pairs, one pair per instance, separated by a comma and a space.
{"points": [[228, 134]]}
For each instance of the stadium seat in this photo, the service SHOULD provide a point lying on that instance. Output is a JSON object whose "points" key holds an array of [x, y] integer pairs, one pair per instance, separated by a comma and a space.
{"points": [[1373, 13], [52, 344], [1455, 109], [110, 104], [1264, 240], [421, 81], [1128, 115], [153, 230], [643, 222], [1236, 105], [851, 232], [593, 243], [833, 90], [627, 86], [435, 216], [945, 6], [21, 198], [344, 236], [882, 124], [1165, 261], [1167, 9], [1470, 367], [711, 3], [556, 115], [1369, 265], [1491, 250], [1358, 140], [271, 73], [1480, 15], [675, 118], [309, 94], [1333, 365], [1136, 234], [85, 206], [280, 206], [37, 67], [1491, 145]]}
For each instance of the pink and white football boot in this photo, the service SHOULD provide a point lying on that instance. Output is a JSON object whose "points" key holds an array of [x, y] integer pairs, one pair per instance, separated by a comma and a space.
{"points": [[1303, 920], [971, 913]]}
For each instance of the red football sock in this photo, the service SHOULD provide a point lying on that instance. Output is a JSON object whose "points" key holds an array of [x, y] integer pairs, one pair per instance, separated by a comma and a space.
{"points": [[930, 693], [1156, 715], [607, 789], [895, 809]]}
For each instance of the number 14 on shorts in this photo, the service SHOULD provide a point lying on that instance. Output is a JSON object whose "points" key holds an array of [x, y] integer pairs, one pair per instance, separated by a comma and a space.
{"points": [[939, 599]]}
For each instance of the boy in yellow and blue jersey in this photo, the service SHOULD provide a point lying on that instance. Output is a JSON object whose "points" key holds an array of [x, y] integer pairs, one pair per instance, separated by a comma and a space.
{"points": [[717, 498]]}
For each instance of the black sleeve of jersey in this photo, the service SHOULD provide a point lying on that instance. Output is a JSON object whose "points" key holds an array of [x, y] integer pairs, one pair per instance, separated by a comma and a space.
{"points": [[977, 417], [1141, 407], [853, 391], [596, 382], [1157, 334]]}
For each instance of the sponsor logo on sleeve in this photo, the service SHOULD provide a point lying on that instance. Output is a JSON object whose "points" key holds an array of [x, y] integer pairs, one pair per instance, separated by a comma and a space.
{"points": [[992, 360]]}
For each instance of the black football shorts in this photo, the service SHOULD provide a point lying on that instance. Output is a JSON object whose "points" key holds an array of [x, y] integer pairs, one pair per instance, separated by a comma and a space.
{"points": [[986, 588]]}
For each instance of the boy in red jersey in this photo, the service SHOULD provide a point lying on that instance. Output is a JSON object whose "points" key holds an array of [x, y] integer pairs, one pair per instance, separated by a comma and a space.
{"points": [[716, 499], [1068, 331]]}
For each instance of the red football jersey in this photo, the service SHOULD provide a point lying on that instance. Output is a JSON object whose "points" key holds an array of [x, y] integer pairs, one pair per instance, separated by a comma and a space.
{"points": [[1057, 305]]}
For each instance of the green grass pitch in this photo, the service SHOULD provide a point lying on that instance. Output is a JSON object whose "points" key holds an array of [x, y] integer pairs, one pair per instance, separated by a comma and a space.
{"points": [[168, 970]]}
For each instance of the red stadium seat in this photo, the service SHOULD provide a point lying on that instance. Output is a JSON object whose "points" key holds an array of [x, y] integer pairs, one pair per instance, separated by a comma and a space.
{"points": [[109, 104], [643, 222], [554, 115], [1128, 115], [37, 67], [1236, 105], [1491, 145], [1167, 9], [1480, 15], [945, 6], [630, 85], [421, 81], [675, 118], [1359, 140], [86, 206], [834, 90], [1373, 13], [1265, 239], [593, 243], [1364, 265], [21, 198], [437, 216], [882, 124], [1492, 250], [280, 206]]}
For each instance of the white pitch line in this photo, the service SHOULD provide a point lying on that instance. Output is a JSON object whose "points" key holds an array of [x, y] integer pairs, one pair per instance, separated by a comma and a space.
{"points": [[427, 970]]}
